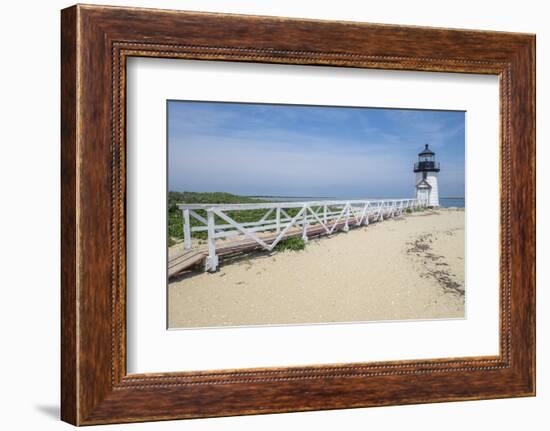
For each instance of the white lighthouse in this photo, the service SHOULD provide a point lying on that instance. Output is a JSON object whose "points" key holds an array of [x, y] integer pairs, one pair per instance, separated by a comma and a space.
{"points": [[426, 170]]}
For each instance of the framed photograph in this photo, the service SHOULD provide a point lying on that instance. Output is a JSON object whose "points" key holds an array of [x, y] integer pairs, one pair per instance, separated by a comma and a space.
{"points": [[263, 214]]}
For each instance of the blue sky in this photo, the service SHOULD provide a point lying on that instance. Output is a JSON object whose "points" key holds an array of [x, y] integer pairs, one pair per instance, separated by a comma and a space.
{"points": [[293, 150]]}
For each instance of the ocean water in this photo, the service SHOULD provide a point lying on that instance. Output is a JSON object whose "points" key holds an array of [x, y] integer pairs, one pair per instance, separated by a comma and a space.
{"points": [[451, 202], [444, 202]]}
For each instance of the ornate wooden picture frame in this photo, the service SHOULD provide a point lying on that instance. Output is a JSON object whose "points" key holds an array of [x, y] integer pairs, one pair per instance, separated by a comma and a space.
{"points": [[96, 42]]}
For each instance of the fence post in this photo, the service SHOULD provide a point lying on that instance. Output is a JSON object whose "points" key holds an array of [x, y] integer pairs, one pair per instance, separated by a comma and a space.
{"points": [[278, 219], [211, 263], [304, 224], [346, 225], [186, 230], [325, 214]]}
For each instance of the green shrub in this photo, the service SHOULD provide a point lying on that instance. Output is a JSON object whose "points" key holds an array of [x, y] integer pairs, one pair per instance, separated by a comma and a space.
{"points": [[293, 244], [175, 217], [408, 210]]}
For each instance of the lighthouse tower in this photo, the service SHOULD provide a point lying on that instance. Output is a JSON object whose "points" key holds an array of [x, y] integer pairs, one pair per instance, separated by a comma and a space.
{"points": [[426, 170]]}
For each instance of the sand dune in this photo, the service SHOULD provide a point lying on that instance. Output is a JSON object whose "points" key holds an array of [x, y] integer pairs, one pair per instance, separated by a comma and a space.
{"points": [[411, 267]]}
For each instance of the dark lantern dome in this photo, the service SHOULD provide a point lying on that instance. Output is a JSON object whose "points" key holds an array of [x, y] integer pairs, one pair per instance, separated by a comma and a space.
{"points": [[426, 152]]}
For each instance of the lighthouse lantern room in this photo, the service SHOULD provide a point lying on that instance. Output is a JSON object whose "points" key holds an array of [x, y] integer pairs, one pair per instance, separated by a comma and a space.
{"points": [[426, 170]]}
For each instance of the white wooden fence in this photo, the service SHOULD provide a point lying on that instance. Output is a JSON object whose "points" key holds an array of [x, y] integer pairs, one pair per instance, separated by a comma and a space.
{"points": [[318, 217]]}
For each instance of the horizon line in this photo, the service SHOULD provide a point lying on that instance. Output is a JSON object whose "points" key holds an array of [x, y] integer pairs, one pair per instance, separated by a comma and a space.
{"points": [[288, 196]]}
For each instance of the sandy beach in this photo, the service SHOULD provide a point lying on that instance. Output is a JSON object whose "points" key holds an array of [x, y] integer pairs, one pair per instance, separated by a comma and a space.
{"points": [[409, 267]]}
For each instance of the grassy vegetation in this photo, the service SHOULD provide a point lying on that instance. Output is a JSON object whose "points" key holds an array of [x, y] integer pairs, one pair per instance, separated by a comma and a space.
{"points": [[293, 244], [175, 217], [414, 210], [207, 198]]}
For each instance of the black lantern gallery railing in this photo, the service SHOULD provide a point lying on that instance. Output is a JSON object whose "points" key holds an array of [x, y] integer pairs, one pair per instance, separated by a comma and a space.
{"points": [[426, 167]]}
